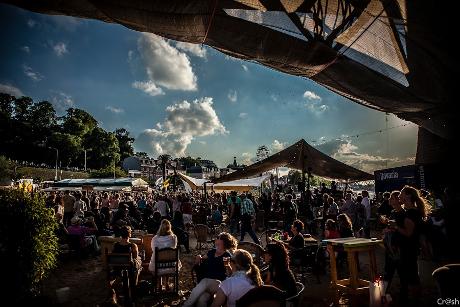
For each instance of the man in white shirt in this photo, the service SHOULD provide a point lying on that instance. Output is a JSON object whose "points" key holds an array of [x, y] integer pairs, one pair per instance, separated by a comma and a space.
{"points": [[161, 206], [367, 207], [79, 206]]}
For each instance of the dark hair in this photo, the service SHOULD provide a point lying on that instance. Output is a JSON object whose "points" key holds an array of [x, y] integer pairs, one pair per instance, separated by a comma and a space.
{"points": [[230, 242], [125, 232], [279, 254], [420, 203], [344, 221], [331, 224], [298, 225]]}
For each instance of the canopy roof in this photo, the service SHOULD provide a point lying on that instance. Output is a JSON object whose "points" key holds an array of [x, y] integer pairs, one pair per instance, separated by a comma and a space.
{"points": [[240, 185], [391, 55], [194, 183], [119, 182], [300, 156]]}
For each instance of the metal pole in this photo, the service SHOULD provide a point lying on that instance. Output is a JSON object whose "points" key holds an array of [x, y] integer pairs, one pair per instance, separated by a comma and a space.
{"points": [[85, 160], [57, 157], [114, 167]]}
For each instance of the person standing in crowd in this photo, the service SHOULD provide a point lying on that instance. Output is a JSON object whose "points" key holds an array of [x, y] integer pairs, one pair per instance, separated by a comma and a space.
{"points": [[417, 210], [79, 206], [234, 203], [162, 206], [393, 239], [69, 201], [367, 209], [347, 205], [290, 212], [333, 209], [385, 208], [245, 275], [247, 215]]}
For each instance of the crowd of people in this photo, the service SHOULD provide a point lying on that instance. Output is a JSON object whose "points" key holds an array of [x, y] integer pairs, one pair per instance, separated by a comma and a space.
{"points": [[225, 273]]}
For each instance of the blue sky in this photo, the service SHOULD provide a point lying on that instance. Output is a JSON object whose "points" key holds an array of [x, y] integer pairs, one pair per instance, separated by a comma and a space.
{"points": [[187, 99]]}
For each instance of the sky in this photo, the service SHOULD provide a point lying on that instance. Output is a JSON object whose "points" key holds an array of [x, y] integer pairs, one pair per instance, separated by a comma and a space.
{"points": [[184, 99]]}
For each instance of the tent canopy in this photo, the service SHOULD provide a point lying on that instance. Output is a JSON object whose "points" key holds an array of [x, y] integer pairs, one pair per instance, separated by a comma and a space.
{"points": [[194, 183], [390, 55], [300, 156], [240, 185], [119, 182]]}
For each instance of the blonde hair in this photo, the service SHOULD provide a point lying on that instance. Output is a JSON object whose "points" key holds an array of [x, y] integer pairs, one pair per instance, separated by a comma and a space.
{"points": [[243, 260], [165, 228], [420, 203]]}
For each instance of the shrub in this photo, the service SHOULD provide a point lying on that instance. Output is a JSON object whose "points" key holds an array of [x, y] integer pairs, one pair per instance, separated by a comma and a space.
{"points": [[28, 244]]}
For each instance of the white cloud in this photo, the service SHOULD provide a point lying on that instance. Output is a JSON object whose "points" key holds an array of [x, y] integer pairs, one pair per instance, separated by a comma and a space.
{"points": [[247, 158], [148, 87], [311, 96], [232, 95], [114, 109], [345, 151], [243, 115], [278, 146], [316, 107], [245, 68], [184, 122], [195, 49], [9, 89], [60, 49], [202, 142], [274, 97], [166, 66], [31, 23], [61, 101], [130, 55], [26, 49], [28, 71]]}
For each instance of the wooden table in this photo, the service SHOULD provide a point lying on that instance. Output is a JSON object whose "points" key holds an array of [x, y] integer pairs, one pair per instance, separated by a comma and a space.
{"points": [[353, 246], [107, 243]]}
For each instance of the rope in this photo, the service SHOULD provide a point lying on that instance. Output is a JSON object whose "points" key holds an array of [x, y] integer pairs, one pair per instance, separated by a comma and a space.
{"points": [[210, 21]]}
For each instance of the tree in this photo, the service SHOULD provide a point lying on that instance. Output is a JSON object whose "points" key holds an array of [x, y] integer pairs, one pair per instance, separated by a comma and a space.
{"points": [[68, 145], [78, 122], [43, 116], [189, 161], [125, 142], [164, 160], [141, 154], [22, 108], [6, 106], [29, 245], [104, 148], [262, 153]]}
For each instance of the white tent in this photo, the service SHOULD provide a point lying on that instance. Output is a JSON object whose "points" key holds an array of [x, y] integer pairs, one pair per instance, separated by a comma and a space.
{"points": [[194, 183], [241, 185]]}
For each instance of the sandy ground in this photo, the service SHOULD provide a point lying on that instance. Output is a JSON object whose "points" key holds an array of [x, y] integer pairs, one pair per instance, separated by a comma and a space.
{"points": [[87, 281]]}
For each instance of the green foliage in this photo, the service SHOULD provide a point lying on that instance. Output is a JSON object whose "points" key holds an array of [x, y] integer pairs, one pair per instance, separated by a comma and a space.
{"points": [[5, 167], [29, 131], [104, 148], [108, 173], [40, 174], [28, 243], [125, 143]]}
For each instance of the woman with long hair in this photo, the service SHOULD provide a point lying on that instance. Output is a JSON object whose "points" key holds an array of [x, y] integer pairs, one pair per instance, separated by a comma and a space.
{"points": [[163, 239], [245, 275], [345, 226], [416, 213], [279, 273]]}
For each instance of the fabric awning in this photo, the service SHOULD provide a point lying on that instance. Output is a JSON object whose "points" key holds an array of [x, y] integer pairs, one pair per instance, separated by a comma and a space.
{"points": [[194, 183], [300, 156], [105, 182], [240, 185]]}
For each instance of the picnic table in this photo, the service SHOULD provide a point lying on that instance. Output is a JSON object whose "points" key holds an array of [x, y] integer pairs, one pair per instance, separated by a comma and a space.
{"points": [[353, 246]]}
